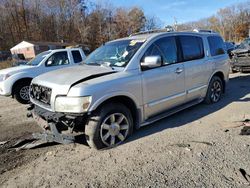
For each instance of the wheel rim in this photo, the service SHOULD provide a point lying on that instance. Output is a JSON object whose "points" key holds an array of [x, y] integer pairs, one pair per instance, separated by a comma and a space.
{"points": [[114, 129], [216, 91], [24, 93]]}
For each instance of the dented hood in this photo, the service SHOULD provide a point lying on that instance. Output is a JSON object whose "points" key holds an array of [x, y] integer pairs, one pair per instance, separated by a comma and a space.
{"points": [[63, 79], [241, 51]]}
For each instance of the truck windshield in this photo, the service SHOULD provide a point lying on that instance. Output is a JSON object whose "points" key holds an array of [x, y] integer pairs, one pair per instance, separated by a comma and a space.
{"points": [[114, 54], [36, 60]]}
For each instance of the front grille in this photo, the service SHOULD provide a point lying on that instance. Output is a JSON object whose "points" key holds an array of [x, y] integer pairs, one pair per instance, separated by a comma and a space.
{"points": [[40, 93]]}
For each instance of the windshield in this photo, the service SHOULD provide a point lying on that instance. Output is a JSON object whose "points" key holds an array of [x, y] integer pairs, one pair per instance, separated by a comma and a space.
{"points": [[114, 54], [36, 60]]}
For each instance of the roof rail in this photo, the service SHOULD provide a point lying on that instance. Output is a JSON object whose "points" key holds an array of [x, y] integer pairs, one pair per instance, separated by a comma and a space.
{"points": [[204, 31], [151, 31]]}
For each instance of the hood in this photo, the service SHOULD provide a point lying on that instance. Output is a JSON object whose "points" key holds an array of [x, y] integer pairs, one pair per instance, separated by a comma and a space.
{"points": [[14, 70], [63, 79], [241, 51]]}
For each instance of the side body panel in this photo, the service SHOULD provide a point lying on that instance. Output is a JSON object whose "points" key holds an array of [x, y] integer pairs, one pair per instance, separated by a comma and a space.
{"points": [[163, 89]]}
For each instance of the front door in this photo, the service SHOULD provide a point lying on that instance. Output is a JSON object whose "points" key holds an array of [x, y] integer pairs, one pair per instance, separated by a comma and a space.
{"points": [[57, 60], [163, 87]]}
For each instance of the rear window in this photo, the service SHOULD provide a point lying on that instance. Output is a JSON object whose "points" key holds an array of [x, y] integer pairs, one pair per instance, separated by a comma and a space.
{"points": [[192, 47], [77, 56], [216, 45]]}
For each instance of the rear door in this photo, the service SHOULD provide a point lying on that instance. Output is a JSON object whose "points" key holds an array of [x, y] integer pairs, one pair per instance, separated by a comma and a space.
{"points": [[197, 68], [163, 87]]}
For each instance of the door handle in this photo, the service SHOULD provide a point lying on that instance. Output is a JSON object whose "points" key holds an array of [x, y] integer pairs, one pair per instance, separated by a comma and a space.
{"points": [[178, 70]]}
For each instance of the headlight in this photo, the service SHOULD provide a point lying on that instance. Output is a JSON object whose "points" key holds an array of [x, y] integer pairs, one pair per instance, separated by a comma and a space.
{"points": [[72, 104], [4, 77]]}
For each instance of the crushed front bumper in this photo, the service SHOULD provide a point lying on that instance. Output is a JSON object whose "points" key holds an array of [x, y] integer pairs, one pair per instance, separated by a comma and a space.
{"points": [[57, 127], [241, 64]]}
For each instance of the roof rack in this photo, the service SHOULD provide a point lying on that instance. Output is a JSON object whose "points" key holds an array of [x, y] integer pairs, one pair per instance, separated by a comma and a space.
{"points": [[204, 31], [152, 31]]}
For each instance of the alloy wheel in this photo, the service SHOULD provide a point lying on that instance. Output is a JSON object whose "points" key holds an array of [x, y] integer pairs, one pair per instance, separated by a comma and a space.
{"points": [[216, 91], [114, 129], [24, 93]]}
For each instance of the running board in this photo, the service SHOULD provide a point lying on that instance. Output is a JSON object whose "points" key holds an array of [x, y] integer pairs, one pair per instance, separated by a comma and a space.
{"points": [[170, 112]]}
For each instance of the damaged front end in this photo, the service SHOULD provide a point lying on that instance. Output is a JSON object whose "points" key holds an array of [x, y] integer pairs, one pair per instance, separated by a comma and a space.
{"points": [[57, 127]]}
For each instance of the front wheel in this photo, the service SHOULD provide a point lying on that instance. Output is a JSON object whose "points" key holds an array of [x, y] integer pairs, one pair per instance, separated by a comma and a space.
{"points": [[21, 92], [109, 126], [214, 91]]}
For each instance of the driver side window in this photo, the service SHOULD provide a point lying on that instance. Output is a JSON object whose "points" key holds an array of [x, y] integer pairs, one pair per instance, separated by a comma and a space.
{"points": [[57, 59], [153, 50], [165, 48]]}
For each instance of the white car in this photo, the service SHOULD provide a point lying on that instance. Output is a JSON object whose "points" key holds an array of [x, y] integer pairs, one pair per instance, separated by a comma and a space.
{"points": [[15, 81]]}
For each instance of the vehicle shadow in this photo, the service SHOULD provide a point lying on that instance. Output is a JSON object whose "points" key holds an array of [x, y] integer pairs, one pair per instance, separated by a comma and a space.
{"points": [[237, 89]]}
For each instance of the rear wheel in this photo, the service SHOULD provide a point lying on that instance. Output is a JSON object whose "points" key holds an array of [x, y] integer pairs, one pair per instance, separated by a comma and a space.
{"points": [[214, 91], [109, 126], [21, 92]]}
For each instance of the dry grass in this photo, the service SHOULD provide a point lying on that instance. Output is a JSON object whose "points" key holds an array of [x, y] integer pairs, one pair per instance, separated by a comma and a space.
{"points": [[5, 64]]}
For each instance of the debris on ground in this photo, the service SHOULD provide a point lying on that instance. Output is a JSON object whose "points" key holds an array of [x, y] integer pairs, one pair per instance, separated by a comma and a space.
{"points": [[202, 142], [3, 142], [245, 130], [182, 145], [246, 127], [245, 175]]}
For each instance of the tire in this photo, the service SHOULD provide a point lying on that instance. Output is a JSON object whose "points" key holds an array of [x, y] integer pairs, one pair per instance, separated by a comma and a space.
{"points": [[21, 92], [215, 90], [101, 133]]}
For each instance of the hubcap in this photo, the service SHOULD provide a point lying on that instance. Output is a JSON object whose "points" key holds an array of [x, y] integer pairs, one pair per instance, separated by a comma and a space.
{"points": [[216, 91], [114, 129], [24, 93]]}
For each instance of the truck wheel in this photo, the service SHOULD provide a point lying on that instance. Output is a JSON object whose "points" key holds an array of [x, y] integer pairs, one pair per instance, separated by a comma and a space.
{"points": [[109, 126], [21, 92], [214, 91]]}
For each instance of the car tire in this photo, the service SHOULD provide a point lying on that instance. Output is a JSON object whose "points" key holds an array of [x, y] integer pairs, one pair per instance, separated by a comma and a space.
{"points": [[21, 92], [109, 126], [215, 90]]}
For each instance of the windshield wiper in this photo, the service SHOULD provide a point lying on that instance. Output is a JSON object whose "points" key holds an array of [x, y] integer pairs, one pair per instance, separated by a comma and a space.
{"points": [[107, 64], [91, 64]]}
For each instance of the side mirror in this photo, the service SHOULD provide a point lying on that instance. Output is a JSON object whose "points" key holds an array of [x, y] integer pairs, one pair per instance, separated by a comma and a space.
{"points": [[49, 63], [152, 62]]}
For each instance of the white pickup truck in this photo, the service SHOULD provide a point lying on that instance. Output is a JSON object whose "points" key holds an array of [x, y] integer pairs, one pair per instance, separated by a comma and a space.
{"points": [[15, 81]]}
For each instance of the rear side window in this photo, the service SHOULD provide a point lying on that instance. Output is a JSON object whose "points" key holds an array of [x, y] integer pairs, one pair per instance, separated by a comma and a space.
{"points": [[216, 45], [192, 47], [77, 56]]}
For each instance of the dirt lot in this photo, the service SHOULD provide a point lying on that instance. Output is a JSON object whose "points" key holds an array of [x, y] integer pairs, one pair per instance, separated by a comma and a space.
{"points": [[199, 147]]}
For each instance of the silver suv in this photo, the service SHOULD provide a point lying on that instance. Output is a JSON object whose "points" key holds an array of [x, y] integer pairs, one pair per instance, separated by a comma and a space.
{"points": [[129, 83]]}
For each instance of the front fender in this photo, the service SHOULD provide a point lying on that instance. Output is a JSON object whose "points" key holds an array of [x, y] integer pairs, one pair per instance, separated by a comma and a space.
{"points": [[14, 78], [108, 96]]}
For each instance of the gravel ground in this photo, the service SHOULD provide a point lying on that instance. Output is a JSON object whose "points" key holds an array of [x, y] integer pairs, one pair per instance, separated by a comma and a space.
{"points": [[198, 147]]}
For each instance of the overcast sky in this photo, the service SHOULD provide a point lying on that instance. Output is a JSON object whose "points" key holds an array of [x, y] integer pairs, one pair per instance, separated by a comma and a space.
{"points": [[183, 10]]}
